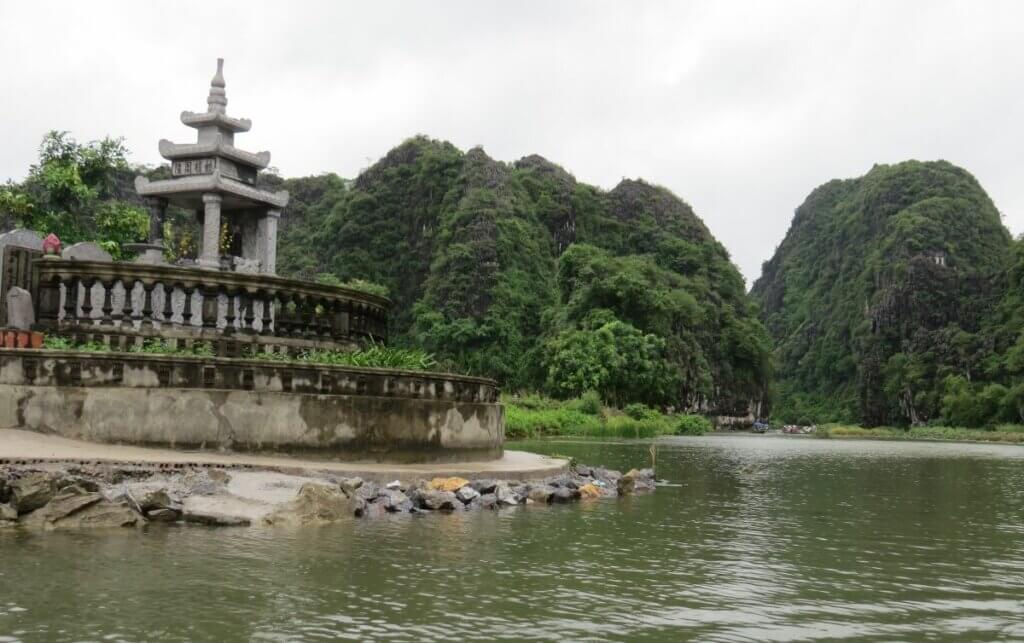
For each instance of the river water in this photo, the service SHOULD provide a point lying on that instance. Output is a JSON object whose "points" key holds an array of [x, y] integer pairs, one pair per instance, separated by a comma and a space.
{"points": [[758, 538]]}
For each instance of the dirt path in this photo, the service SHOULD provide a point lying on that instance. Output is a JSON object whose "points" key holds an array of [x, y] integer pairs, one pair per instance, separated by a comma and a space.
{"points": [[17, 446]]}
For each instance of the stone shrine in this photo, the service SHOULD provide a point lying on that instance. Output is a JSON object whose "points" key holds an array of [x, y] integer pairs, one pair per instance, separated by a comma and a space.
{"points": [[218, 181], [223, 355]]}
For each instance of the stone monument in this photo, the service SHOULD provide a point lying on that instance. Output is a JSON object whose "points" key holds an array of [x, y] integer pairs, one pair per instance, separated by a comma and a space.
{"points": [[218, 181]]}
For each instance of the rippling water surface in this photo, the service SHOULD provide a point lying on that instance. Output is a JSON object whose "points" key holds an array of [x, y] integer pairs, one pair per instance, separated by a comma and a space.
{"points": [[759, 538]]}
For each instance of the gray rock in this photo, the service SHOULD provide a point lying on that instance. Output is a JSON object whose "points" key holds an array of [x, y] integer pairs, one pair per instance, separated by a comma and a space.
{"points": [[440, 500], [368, 491], [584, 470], [375, 509], [20, 312], [467, 494], [314, 504], [505, 495], [89, 484], [644, 479], [626, 484], [488, 501], [214, 519], [86, 251], [32, 491], [540, 493], [358, 507], [66, 502], [606, 474], [153, 499], [563, 480], [163, 515], [565, 494], [75, 508], [5, 490], [204, 483], [394, 500], [7, 512], [483, 486], [349, 485]]}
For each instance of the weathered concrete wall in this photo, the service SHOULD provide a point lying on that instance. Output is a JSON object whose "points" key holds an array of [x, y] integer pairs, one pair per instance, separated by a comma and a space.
{"points": [[147, 400]]}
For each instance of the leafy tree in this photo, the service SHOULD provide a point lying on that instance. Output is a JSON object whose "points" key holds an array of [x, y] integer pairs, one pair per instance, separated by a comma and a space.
{"points": [[71, 192]]}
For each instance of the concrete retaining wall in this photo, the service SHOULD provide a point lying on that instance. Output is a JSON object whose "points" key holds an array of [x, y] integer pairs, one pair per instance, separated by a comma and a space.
{"points": [[339, 413]]}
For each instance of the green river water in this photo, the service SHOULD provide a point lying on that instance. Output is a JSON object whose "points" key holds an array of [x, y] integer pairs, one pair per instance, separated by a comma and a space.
{"points": [[758, 538]]}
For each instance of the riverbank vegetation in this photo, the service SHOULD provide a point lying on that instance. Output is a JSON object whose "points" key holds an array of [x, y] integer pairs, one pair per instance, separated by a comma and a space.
{"points": [[534, 416], [1006, 433]]}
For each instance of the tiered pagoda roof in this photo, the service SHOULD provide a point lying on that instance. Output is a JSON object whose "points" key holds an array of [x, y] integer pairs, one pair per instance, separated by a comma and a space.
{"points": [[213, 164]]}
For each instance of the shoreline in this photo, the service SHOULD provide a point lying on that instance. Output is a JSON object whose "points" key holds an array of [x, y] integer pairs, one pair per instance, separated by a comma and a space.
{"points": [[57, 497], [51, 483]]}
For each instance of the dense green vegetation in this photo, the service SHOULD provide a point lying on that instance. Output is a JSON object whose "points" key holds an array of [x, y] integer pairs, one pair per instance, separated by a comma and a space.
{"points": [[74, 192], [1009, 433], [372, 356], [884, 304], [521, 273], [534, 416]]}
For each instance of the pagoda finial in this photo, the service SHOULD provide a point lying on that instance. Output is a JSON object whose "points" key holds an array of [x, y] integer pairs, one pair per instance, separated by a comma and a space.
{"points": [[217, 101]]}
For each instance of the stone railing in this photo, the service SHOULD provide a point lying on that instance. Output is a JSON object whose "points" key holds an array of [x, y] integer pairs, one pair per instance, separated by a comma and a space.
{"points": [[30, 367], [116, 299]]}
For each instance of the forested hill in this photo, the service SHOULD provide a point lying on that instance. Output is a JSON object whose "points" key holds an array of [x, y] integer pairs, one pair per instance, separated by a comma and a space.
{"points": [[520, 272], [883, 298]]}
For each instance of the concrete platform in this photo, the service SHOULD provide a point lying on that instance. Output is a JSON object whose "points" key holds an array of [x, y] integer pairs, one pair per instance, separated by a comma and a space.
{"points": [[29, 447]]}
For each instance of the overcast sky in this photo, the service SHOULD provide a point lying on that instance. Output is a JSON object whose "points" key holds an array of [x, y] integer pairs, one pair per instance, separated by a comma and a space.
{"points": [[740, 108]]}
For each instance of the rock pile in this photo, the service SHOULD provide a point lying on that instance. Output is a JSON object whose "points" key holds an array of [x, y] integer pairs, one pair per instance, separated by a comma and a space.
{"points": [[459, 494], [49, 499]]}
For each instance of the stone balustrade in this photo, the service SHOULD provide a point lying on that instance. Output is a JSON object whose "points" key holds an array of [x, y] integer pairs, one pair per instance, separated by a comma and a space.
{"points": [[114, 298], [140, 370], [343, 413]]}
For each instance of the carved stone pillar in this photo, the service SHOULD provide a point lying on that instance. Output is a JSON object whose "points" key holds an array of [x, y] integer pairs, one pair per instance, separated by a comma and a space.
{"points": [[268, 242], [157, 216], [210, 256]]}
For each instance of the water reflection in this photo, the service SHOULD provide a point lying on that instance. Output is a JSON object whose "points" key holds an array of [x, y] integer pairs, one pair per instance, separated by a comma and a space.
{"points": [[762, 539]]}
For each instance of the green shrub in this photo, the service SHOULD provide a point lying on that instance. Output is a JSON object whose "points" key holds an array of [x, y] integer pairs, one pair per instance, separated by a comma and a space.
{"points": [[522, 422], [373, 356], [58, 343], [692, 425], [639, 411], [590, 403], [624, 426]]}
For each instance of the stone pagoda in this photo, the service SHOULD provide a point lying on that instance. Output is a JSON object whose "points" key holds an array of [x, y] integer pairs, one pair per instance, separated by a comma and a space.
{"points": [[218, 181]]}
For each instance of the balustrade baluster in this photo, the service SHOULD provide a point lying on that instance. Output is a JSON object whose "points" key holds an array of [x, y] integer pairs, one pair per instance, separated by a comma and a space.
{"points": [[283, 316], [147, 305], [168, 304], [71, 301], [116, 313], [186, 310], [49, 301], [229, 313], [136, 315], [324, 319], [248, 316], [310, 329], [268, 313], [339, 319], [87, 283], [210, 297]]}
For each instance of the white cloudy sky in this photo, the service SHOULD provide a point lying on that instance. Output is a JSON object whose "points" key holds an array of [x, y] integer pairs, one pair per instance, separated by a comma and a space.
{"points": [[741, 108]]}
